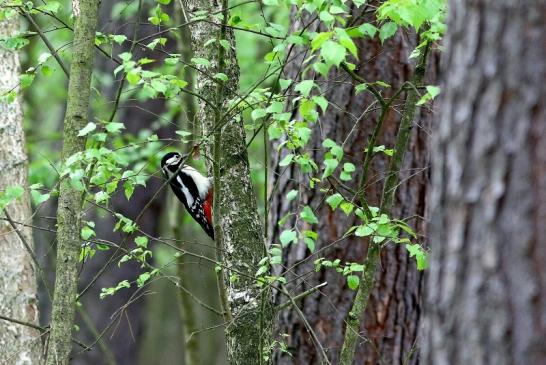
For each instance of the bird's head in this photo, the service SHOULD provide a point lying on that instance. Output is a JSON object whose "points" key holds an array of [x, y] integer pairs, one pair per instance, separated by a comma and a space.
{"points": [[170, 163]]}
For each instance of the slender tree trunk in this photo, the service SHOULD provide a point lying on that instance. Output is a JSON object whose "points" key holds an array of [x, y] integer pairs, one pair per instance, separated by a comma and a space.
{"points": [[486, 302], [388, 331], [238, 228], [70, 200], [18, 290]]}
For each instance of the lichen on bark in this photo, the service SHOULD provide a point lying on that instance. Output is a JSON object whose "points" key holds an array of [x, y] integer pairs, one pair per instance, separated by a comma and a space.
{"points": [[70, 199], [240, 228], [18, 291]]}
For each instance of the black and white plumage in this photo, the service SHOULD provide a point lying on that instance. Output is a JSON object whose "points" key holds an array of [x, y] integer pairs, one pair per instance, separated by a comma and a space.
{"points": [[191, 188]]}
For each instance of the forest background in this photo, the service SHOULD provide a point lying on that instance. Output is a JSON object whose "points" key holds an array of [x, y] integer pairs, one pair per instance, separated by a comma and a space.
{"points": [[357, 220]]}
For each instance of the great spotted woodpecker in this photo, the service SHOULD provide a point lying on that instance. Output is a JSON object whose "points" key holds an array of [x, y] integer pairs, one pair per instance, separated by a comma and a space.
{"points": [[191, 188]]}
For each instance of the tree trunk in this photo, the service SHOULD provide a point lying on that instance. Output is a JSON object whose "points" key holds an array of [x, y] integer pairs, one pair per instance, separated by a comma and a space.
{"points": [[238, 228], [486, 302], [18, 291], [70, 199], [389, 328]]}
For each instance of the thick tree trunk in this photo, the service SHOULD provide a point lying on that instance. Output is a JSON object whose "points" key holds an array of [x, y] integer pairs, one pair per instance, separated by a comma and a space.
{"points": [[486, 302], [389, 328], [70, 200], [18, 290], [238, 228]]}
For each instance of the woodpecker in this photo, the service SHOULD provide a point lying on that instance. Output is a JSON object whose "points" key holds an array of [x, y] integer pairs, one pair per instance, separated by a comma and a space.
{"points": [[191, 188]]}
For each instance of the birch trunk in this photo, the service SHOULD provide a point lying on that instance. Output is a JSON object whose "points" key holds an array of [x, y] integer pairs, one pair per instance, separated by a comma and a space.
{"points": [[240, 232], [70, 200], [486, 299], [18, 290]]}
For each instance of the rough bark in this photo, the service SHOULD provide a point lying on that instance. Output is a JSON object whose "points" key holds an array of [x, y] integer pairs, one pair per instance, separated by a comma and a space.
{"points": [[240, 231], [389, 328], [70, 200], [18, 298], [486, 301]]}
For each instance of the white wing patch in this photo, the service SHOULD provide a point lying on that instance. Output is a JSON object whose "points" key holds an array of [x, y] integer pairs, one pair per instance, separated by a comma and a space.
{"points": [[202, 182], [189, 197]]}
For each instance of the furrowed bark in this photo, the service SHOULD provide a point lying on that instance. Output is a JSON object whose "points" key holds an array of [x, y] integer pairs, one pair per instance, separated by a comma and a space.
{"points": [[388, 329], [18, 290], [70, 200], [372, 260], [238, 228], [486, 297]]}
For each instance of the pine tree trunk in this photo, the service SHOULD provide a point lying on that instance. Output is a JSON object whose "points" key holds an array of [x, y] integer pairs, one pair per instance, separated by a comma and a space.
{"points": [[70, 200], [486, 302], [240, 231], [389, 327], [18, 290]]}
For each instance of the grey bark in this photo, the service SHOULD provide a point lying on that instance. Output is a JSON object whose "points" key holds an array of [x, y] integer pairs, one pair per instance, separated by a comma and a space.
{"points": [[486, 298], [70, 200], [18, 289], [389, 327], [240, 229]]}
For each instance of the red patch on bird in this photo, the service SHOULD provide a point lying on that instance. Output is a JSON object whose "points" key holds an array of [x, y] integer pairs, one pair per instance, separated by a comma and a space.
{"points": [[207, 206]]}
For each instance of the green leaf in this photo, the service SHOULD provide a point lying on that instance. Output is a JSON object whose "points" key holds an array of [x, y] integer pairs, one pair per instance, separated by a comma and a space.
{"points": [[328, 143], [26, 80], [349, 167], [368, 29], [344, 176], [291, 195], [38, 198], [133, 77], [310, 244], [322, 68], [90, 127], [271, 2], [387, 30], [183, 133], [353, 281], [346, 207], [333, 53], [337, 10], [287, 160], [334, 200], [346, 41], [114, 127], [326, 17], [258, 113], [287, 236], [284, 84], [201, 62], [275, 107], [10, 194], [158, 86], [129, 189], [141, 241], [87, 232], [364, 230], [320, 38], [307, 215], [415, 250], [144, 277], [322, 102], [433, 91], [305, 87], [221, 76], [330, 165], [119, 38]]}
